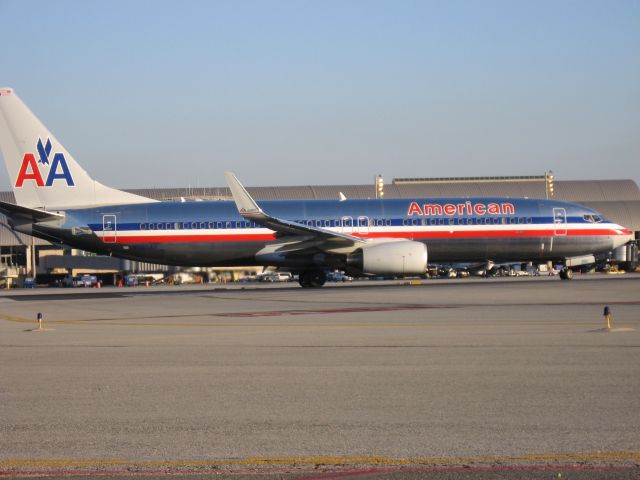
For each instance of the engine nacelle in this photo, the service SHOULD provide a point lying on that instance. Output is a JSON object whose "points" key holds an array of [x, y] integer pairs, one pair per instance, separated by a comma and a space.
{"points": [[401, 257]]}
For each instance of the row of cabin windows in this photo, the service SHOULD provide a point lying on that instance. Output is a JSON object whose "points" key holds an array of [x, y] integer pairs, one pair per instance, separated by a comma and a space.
{"points": [[468, 221], [362, 222], [196, 225]]}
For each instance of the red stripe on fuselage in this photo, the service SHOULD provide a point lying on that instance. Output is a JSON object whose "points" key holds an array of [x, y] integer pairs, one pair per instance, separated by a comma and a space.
{"points": [[253, 237]]}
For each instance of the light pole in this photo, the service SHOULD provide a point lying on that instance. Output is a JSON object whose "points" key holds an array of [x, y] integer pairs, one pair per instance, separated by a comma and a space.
{"points": [[548, 177], [379, 186]]}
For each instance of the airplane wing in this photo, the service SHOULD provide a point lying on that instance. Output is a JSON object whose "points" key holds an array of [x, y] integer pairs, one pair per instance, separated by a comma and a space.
{"points": [[33, 214], [249, 209]]}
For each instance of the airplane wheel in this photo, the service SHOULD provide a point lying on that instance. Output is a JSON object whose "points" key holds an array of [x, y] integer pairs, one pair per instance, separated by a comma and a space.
{"points": [[303, 280], [566, 274], [318, 278], [312, 279]]}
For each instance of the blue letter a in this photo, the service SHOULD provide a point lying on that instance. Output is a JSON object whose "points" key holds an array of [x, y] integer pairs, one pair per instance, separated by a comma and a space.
{"points": [[58, 160]]}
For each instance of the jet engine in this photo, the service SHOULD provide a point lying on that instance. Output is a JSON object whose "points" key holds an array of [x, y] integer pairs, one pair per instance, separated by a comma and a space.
{"points": [[401, 257]]}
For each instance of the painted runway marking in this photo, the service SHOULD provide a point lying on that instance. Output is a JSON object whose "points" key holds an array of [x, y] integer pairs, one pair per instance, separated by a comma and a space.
{"points": [[588, 460]]}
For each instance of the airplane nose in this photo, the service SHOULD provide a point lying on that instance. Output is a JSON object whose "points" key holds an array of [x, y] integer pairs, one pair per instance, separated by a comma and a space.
{"points": [[622, 237]]}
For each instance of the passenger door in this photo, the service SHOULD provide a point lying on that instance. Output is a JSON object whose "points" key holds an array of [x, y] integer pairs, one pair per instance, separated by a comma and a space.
{"points": [[363, 225], [559, 222], [347, 224], [109, 228]]}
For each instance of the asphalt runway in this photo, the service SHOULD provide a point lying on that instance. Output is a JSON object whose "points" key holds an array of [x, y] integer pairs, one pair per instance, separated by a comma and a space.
{"points": [[504, 378]]}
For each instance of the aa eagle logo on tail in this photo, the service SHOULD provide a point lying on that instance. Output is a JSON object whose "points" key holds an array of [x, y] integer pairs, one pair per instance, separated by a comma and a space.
{"points": [[57, 167]]}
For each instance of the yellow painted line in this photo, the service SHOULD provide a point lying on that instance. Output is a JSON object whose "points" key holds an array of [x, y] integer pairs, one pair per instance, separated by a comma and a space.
{"points": [[14, 318], [133, 322], [624, 456], [265, 328]]}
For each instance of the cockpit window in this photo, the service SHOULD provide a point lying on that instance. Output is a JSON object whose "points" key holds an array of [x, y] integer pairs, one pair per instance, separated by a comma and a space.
{"points": [[591, 218]]}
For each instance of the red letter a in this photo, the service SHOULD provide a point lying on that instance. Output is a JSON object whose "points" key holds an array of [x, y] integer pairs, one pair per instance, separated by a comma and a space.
{"points": [[29, 162], [414, 209]]}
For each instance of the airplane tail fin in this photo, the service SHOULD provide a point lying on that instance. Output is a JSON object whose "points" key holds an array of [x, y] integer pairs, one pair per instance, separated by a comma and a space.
{"points": [[42, 173]]}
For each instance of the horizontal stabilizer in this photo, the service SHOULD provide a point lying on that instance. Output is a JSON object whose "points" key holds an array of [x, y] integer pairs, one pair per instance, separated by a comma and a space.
{"points": [[33, 214]]}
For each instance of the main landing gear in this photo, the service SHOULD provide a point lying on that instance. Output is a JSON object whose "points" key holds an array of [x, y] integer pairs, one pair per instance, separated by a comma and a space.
{"points": [[312, 278], [566, 274]]}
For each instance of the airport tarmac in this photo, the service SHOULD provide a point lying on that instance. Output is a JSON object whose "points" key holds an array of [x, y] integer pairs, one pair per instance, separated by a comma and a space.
{"points": [[453, 378]]}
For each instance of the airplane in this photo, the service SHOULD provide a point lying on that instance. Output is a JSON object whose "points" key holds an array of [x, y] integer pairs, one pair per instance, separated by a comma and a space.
{"points": [[58, 201]]}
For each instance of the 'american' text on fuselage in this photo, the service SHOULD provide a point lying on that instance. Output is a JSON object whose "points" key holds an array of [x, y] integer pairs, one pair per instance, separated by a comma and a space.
{"points": [[466, 208]]}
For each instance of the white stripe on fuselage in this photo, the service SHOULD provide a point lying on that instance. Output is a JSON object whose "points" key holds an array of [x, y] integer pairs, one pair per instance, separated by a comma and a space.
{"points": [[408, 229]]}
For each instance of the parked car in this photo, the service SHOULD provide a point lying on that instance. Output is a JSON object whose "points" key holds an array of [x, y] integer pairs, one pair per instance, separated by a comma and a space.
{"points": [[276, 277], [338, 276], [88, 280]]}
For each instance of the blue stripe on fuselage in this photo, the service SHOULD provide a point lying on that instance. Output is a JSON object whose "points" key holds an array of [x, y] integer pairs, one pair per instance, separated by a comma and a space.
{"points": [[130, 217]]}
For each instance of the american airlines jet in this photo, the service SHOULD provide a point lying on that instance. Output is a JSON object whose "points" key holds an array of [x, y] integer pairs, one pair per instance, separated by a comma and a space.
{"points": [[58, 201]]}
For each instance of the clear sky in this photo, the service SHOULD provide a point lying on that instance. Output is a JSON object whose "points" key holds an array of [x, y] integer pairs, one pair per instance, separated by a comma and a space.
{"points": [[152, 93]]}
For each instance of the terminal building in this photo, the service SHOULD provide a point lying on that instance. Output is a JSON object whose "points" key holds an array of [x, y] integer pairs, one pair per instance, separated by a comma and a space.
{"points": [[617, 200]]}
